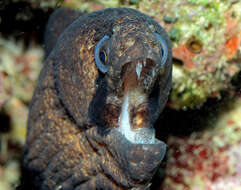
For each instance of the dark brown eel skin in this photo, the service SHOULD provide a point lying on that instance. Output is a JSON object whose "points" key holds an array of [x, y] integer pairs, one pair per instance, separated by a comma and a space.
{"points": [[91, 128]]}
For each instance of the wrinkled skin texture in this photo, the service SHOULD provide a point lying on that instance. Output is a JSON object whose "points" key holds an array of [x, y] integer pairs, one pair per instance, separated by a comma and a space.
{"points": [[73, 141]]}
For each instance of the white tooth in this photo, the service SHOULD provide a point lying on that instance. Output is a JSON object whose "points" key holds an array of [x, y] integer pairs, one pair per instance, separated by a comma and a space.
{"points": [[144, 63], [138, 70], [153, 72]]}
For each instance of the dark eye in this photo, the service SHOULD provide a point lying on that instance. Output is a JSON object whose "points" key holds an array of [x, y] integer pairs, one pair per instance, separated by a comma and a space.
{"points": [[101, 56], [164, 49]]}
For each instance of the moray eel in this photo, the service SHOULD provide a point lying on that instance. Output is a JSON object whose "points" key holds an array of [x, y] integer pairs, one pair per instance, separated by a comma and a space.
{"points": [[106, 78]]}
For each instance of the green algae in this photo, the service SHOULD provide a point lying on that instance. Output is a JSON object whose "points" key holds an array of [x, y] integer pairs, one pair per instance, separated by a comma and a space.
{"points": [[175, 34]]}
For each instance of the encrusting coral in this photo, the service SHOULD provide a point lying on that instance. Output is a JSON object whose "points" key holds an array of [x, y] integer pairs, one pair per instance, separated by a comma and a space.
{"points": [[209, 159]]}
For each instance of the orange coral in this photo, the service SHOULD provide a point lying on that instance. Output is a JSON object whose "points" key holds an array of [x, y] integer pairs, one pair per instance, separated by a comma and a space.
{"points": [[232, 45], [184, 54]]}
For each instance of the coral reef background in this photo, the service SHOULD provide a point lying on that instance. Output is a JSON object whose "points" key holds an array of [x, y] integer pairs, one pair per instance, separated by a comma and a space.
{"points": [[201, 123]]}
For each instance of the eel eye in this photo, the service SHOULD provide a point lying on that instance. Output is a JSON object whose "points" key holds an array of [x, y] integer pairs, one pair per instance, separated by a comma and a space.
{"points": [[101, 56], [164, 49]]}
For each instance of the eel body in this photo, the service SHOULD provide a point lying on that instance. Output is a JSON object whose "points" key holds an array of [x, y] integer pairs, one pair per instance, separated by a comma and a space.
{"points": [[90, 125]]}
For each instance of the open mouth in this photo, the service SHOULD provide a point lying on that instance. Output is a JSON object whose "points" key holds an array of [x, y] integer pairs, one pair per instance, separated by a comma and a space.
{"points": [[140, 135], [144, 71], [134, 122]]}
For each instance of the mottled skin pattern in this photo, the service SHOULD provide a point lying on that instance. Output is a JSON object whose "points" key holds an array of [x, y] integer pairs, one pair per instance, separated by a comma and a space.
{"points": [[72, 140]]}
